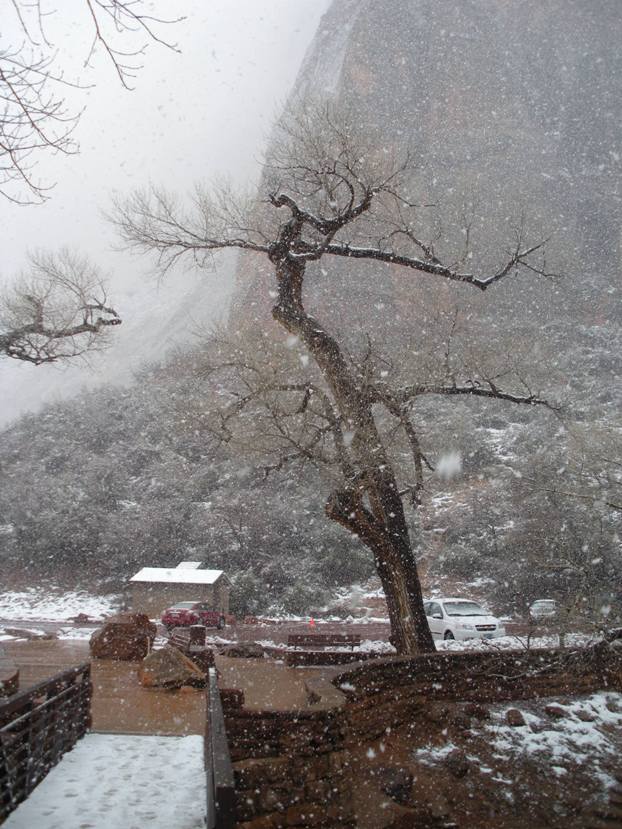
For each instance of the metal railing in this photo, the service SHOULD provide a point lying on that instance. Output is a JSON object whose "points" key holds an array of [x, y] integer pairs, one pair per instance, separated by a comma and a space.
{"points": [[218, 767], [37, 727]]}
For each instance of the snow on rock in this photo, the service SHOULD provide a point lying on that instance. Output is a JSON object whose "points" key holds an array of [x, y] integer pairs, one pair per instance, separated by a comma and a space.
{"points": [[51, 606], [13, 634], [110, 781], [579, 737], [430, 755]]}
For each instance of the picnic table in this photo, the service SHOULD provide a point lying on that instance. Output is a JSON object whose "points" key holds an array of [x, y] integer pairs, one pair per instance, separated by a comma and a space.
{"points": [[323, 640]]}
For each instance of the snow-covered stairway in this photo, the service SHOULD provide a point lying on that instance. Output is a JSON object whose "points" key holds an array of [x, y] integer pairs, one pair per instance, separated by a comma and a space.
{"points": [[109, 781]]}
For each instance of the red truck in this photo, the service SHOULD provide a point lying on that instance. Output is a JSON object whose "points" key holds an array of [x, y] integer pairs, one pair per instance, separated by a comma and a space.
{"points": [[184, 614]]}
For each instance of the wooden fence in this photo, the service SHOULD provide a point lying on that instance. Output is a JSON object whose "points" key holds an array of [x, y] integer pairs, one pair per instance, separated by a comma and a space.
{"points": [[37, 727], [218, 768]]}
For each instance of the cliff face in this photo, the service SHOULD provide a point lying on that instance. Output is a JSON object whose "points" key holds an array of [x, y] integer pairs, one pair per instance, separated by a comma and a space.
{"points": [[514, 107], [511, 99]]}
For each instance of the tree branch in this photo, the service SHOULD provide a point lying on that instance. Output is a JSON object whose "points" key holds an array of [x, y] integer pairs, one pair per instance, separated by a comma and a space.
{"points": [[433, 267]]}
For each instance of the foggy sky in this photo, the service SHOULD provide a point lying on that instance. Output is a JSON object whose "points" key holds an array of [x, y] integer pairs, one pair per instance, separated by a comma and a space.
{"points": [[192, 116]]}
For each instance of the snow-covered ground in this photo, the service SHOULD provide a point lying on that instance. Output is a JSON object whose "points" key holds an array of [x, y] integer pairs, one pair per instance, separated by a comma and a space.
{"points": [[34, 633], [584, 735], [366, 646], [49, 605], [512, 643], [113, 781], [7, 637]]}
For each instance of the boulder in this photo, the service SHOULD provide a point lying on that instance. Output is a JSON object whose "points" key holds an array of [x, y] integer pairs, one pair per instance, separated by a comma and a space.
{"points": [[126, 636], [555, 712], [243, 650], [515, 718], [422, 818], [585, 716], [395, 782], [457, 763], [474, 709], [169, 668], [81, 619]]}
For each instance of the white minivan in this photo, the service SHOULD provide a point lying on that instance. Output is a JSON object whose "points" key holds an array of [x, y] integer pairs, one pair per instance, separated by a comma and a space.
{"points": [[461, 619]]}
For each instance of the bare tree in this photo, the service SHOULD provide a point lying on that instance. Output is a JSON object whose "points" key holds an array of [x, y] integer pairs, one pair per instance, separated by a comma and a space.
{"points": [[594, 472], [331, 195], [57, 311], [35, 116]]}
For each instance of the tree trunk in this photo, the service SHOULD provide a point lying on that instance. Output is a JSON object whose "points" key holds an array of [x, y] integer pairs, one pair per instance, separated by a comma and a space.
{"points": [[396, 567], [369, 505]]}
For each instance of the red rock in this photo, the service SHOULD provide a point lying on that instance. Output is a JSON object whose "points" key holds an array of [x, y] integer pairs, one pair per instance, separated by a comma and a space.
{"points": [[514, 718], [127, 636], [585, 716], [474, 709], [555, 712], [243, 650], [456, 762], [394, 781], [169, 668]]}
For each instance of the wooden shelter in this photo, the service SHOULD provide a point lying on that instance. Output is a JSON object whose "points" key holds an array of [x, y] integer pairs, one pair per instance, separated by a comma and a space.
{"points": [[153, 589]]}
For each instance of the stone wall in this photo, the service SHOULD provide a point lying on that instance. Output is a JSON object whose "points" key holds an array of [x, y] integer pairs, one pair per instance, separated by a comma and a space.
{"points": [[290, 767], [398, 690]]}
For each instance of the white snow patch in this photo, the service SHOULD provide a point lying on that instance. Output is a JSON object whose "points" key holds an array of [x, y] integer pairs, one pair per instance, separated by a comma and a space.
{"points": [[50, 606], [431, 755], [110, 781], [512, 643], [569, 742], [13, 637], [449, 465], [366, 646], [481, 581], [75, 633]]}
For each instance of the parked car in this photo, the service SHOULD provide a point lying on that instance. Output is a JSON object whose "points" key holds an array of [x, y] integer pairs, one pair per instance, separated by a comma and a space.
{"points": [[461, 619], [543, 609], [184, 614]]}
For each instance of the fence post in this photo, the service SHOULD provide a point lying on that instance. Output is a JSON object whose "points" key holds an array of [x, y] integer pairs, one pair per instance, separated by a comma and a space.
{"points": [[219, 770]]}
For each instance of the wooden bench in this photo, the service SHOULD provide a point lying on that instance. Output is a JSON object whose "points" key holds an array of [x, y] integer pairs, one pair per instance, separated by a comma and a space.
{"points": [[191, 642], [323, 640]]}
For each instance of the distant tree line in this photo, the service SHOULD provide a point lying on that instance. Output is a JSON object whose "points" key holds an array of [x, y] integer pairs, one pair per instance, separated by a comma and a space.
{"points": [[116, 479]]}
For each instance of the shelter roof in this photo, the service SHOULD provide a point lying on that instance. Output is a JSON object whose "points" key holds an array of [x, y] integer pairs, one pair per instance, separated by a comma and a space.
{"points": [[178, 575]]}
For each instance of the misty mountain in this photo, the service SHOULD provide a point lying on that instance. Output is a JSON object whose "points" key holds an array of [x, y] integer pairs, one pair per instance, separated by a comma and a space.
{"points": [[512, 112]]}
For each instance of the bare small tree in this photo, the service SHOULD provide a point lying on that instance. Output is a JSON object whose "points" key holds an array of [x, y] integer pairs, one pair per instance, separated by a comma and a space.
{"points": [[35, 117], [594, 472], [55, 312], [332, 195]]}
